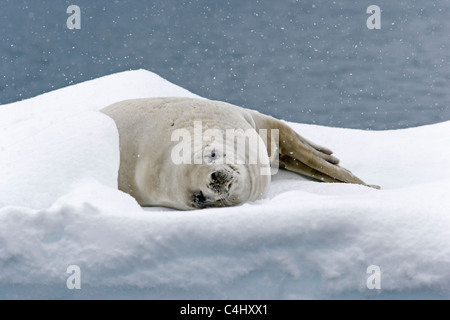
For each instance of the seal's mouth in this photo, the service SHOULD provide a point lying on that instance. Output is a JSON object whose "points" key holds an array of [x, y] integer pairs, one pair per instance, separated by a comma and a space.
{"points": [[199, 201], [219, 189]]}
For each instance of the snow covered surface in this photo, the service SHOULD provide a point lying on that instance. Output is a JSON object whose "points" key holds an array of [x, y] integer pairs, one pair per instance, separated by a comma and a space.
{"points": [[59, 206]]}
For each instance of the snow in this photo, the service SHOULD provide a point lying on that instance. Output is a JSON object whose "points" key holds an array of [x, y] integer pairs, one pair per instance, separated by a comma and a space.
{"points": [[59, 206]]}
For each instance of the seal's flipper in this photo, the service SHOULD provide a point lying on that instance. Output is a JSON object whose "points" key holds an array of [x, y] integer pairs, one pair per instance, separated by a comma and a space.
{"points": [[294, 165], [305, 157]]}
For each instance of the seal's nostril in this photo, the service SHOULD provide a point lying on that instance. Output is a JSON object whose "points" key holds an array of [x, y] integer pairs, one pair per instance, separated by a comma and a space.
{"points": [[220, 176], [220, 181]]}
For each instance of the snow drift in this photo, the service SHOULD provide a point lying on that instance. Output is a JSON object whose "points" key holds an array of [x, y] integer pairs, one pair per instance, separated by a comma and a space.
{"points": [[59, 206]]}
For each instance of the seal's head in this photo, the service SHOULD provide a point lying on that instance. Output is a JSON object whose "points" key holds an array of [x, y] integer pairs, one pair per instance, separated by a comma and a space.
{"points": [[214, 183], [218, 167], [208, 177]]}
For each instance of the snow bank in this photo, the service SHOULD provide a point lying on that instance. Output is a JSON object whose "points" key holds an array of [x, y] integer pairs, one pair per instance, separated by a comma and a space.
{"points": [[59, 206]]}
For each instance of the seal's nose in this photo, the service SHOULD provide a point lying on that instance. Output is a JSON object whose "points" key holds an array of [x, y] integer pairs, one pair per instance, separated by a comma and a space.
{"points": [[221, 181]]}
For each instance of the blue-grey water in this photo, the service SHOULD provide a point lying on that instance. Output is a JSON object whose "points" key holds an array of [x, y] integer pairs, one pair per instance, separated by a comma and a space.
{"points": [[312, 61]]}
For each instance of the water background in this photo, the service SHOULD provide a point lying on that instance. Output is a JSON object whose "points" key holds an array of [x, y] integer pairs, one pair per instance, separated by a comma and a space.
{"points": [[304, 61]]}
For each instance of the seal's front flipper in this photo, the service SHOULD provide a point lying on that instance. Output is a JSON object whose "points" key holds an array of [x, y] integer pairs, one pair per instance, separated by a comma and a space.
{"points": [[294, 165], [305, 157], [323, 165]]}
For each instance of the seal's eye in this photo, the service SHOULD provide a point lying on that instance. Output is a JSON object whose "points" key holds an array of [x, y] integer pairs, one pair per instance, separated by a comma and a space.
{"points": [[210, 155]]}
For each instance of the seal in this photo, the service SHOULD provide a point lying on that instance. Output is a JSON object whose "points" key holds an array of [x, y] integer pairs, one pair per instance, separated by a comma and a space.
{"points": [[189, 153]]}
